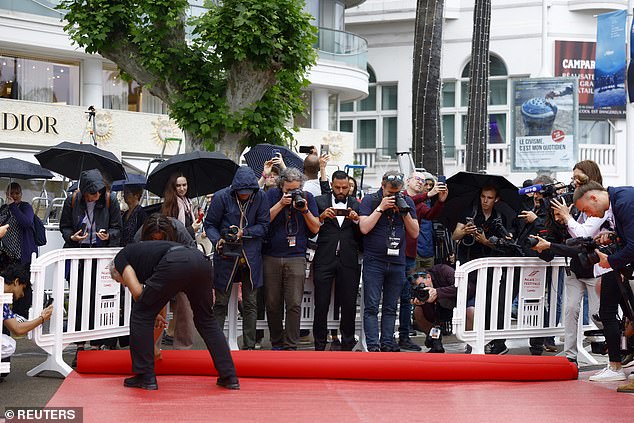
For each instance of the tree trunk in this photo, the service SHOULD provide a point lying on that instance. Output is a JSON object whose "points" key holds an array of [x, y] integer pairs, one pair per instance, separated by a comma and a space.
{"points": [[426, 85], [477, 114]]}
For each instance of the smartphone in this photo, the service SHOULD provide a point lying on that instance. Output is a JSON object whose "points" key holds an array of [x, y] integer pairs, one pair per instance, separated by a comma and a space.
{"points": [[48, 301], [442, 179], [275, 152], [342, 212], [306, 149], [84, 228], [325, 149]]}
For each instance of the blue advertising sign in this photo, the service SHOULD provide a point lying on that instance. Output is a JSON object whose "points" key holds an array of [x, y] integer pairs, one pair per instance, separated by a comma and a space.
{"points": [[609, 72]]}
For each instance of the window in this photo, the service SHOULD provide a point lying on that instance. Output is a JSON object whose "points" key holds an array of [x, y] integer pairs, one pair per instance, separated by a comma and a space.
{"points": [[38, 80], [594, 132], [373, 119], [455, 102], [128, 95]]}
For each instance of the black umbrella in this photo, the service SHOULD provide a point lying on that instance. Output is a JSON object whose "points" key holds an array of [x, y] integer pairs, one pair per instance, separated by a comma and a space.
{"points": [[132, 179], [260, 153], [464, 194], [70, 159], [206, 172], [19, 169]]}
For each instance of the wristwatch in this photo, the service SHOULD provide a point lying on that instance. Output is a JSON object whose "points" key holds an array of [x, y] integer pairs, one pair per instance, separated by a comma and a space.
{"points": [[378, 210]]}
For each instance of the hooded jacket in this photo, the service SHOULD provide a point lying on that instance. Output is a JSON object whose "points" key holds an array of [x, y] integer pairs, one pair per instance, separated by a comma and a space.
{"points": [[73, 213], [224, 211]]}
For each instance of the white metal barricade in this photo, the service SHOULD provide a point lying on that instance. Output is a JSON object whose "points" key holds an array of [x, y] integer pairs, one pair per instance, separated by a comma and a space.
{"points": [[105, 313], [530, 276], [233, 325], [5, 367]]}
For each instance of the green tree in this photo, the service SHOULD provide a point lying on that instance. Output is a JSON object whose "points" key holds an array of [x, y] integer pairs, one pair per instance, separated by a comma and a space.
{"points": [[231, 77]]}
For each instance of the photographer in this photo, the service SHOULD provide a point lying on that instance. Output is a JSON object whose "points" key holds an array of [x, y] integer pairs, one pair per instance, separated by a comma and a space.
{"points": [[337, 260], [561, 226], [594, 200], [434, 295], [293, 220], [532, 221], [236, 223], [386, 217], [415, 189], [474, 233]]}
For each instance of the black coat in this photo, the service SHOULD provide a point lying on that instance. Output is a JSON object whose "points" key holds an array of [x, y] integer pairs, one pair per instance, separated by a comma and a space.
{"points": [[347, 235], [107, 214]]}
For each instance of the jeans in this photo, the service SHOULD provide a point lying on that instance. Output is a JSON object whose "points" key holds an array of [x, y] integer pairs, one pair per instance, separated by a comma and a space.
{"points": [[405, 312], [608, 309], [380, 279]]}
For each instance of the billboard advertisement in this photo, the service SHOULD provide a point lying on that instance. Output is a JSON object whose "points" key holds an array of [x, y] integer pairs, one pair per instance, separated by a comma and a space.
{"points": [[544, 122], [609, 72], [576, 59]]}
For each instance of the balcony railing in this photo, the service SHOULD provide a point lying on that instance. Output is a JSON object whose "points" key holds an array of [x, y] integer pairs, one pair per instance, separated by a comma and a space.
{"points": [[343, 47], [498, 159]]}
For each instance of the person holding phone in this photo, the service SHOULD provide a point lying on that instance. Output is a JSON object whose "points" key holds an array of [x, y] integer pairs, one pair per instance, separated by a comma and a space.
{"points": [[415, 189], [17, 280], [271, 172], [90, 218], [337, 260]]}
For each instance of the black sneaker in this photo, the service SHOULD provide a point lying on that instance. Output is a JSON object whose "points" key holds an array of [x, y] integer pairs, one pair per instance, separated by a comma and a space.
{"points": [[228, 382], [496, 348], [390, 348], [434, 345], [143, 381], [374, 348], [407, 344]]}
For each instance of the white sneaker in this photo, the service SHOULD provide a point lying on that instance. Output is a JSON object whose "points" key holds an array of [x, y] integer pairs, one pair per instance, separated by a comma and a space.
{"points": [[608, 375]]}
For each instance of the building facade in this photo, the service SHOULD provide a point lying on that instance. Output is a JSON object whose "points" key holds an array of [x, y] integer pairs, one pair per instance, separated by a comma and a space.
{"points": [[47, 84], [523, 42]]}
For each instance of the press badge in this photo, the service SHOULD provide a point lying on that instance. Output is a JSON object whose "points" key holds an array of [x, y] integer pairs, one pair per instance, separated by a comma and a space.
{"points": [[434, 333], [291, 241], [393, 244]]}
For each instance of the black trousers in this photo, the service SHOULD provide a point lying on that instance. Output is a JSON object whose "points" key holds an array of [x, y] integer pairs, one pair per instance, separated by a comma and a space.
{"points": [[190, 272], [346, 278], [608, 309]]}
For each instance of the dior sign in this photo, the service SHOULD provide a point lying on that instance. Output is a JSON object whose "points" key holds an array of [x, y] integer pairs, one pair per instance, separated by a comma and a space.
{"points": [[28, 123]]}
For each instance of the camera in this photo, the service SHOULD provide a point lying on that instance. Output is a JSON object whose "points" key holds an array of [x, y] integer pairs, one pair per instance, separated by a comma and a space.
{"points": [[418, 290], [298, 198], [587, 255], [399, 200], [232, 246]]}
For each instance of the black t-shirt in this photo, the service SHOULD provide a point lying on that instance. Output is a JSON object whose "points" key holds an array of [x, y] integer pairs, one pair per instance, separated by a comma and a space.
{"points": [[143, 257]]}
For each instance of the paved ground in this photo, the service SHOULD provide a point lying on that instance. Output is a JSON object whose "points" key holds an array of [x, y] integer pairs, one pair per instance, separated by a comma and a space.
{"points": [[20, 390]]}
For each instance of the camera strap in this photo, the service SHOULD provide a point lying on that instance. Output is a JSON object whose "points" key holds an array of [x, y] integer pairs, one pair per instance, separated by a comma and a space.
{"points": [[393, 241]]}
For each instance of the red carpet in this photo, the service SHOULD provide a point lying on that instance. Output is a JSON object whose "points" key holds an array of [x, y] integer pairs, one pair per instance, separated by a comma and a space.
{"points": [[197, 399], [356, 366]]}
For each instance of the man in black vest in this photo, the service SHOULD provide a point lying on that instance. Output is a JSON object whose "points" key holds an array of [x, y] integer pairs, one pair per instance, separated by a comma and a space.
{"points": [[337, 258]]}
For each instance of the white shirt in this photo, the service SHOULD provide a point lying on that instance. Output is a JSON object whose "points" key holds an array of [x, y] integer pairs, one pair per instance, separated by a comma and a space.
{"points": [[590, 227], [342, 206]]}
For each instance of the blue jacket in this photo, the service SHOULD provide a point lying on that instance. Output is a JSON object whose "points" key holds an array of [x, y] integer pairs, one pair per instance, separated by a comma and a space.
{"points": [[224, 212], [622, 201]]}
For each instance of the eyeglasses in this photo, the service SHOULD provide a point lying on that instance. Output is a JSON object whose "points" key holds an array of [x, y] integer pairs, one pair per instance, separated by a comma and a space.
{"points": [[398, 177], [419, 179]]}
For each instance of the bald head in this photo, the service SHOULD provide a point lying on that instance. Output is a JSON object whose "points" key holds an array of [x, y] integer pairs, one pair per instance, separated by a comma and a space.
{"points": [[311, 166]]}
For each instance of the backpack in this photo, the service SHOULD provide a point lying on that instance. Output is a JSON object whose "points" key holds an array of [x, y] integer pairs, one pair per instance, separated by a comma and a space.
{"points": [[39, 231]]}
